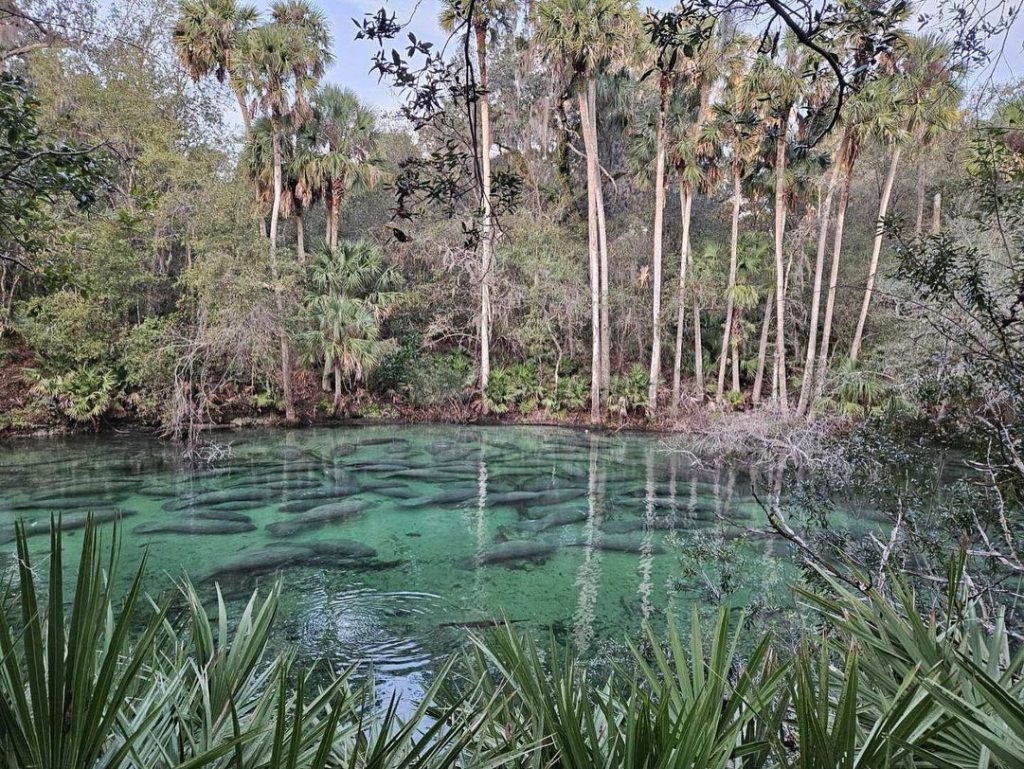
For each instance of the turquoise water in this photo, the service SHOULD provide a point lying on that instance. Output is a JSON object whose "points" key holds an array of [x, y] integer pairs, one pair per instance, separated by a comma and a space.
{"points": [[390, 541]]}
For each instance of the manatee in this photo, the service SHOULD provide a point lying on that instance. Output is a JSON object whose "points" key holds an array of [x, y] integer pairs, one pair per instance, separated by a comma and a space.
{"points": [[556, 519], [394, 492], [316, 518], [343, 450], [259, 561], [98, 489], [228, 496], [300, 506], [296, 452], [220, 515], [556, 497], [511, 553], [66, 503], [196, 526], [511, 497], [615, 544], [450, 497], [67, 523], [297, 483], [382, 442], [337, 548]]}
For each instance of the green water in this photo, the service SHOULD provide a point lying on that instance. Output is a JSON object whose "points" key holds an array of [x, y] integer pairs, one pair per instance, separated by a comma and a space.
{"points": [[585, 536]]}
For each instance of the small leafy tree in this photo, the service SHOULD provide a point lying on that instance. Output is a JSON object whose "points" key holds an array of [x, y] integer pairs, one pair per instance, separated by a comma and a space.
{"points": [[350, 291]]}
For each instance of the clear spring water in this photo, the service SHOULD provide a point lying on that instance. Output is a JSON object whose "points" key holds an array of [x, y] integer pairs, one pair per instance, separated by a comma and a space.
{"points": [[390, 541]]}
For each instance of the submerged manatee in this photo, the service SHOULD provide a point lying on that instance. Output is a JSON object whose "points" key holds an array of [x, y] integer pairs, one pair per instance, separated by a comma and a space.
{"points": [[197, 526], [556, 519], [316, 518], [229, 497], [614, 544], [67, 523], [332, 554], [511, 554], [66, 503]]}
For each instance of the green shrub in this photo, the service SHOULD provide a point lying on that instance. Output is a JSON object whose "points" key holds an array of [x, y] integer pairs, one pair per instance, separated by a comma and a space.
{"points": [[628, 394], [424, 380], [67, 330], [571, 394], [82, 395], [148, 359]]}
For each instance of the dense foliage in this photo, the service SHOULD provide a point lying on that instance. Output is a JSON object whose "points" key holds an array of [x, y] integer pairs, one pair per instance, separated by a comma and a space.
{"points": [[557, 163]]}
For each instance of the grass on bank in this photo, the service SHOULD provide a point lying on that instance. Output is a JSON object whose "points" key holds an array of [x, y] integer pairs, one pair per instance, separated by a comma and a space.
{"points": [[100, 679]]}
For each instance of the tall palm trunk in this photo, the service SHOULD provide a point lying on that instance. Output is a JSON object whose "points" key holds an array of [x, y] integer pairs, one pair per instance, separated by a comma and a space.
{"points": [[833, 282], [275, 213], [685, 209], [487, 225], [780, 272], [698, 350], [919, 213], [243, 108], [300, 236], [762, 348], [659, 220], [593, 248], [730, 291], [824, 218], [335, 214], [876, 249]]}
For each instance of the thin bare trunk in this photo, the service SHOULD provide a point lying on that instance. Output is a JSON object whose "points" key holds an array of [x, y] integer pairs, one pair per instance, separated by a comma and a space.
{"points": [[659, 219], [780, 272], [698, 351], [243, 108], [335, 217], [730, 291], [937, 213], [824, 215], [593, 249], [833, 282], [919, 214], [602, 231], [487, 233], [735, 345], [337, 388], [300, 237], [275, 212], [762, 348], [876, 250], [685, 209]]}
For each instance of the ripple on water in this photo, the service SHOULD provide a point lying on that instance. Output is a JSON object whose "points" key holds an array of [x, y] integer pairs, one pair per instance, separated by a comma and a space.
{"points": [[370, 627]]}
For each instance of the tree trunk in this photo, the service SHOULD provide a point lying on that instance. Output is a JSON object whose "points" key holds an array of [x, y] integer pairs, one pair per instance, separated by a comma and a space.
{"points": [[602, 231], [487, 234], [919, 214], [876, 249], [243, 108], [337, 388], [685, 209], [335, 217], [593, 249], [937, 213], [824, 215], [735, 345], [659, 219], [698, 351], [300, 237], [833, 282], [275, 213], [780, 272], [730, 291], [762, 348]]}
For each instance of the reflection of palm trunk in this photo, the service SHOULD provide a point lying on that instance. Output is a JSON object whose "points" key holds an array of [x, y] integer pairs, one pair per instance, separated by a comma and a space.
{"points": [[590, 571], [647, 543]]}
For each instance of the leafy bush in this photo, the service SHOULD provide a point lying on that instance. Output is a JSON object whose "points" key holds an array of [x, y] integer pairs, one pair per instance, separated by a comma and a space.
{"points": [[628, 393], [571, 394], [67, 330], [516, 387], [424, 380], [82, 395], [148, 360]]}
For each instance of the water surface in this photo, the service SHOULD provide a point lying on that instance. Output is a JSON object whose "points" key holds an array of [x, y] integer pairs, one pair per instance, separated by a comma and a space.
{"points": [[390, 541]]}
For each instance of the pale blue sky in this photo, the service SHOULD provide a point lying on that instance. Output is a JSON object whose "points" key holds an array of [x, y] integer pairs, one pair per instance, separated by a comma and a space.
{"points": [[352, 57]]}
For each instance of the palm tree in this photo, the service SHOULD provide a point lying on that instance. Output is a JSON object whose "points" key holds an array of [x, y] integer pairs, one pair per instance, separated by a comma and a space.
{"points": [[351, 290], [343, 136], [281, 60], [690, 153], [737, 128], [208, 34], [588, 34], [313, 55], [928, 97], [777, 89], [453, 16]]}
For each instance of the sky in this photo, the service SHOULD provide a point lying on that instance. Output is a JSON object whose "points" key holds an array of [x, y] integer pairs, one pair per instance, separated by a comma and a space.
{"points": [[352, 57]]}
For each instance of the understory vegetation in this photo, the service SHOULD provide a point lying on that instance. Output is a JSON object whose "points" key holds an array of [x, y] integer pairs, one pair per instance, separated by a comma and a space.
{"points": [[884, 678]]}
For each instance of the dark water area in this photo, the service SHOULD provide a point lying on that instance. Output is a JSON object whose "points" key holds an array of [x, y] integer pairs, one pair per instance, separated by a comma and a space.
{"points": [[391, 541]]}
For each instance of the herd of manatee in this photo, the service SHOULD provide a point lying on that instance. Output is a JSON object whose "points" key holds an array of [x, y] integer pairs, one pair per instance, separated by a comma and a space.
{"points": [[306, 496]]}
